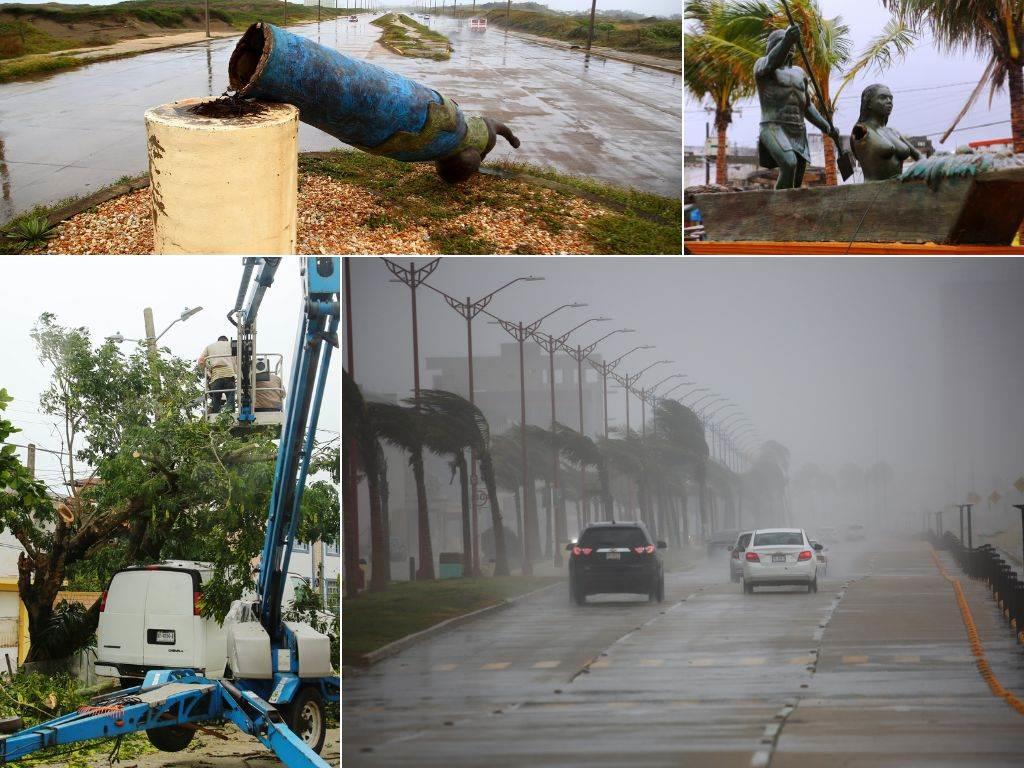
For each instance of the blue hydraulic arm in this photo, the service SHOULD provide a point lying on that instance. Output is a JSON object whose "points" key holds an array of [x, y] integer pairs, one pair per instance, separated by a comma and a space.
{"points": [[257, 276]]}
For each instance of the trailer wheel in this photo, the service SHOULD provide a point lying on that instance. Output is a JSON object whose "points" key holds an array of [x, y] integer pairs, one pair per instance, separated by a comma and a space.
{"points": [[172, 738], [307, 718]]}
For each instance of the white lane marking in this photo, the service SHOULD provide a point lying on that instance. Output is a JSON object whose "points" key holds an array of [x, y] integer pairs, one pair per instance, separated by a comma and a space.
{"points": [[760, 759], [498, 665], [651, 662], [445, 667], [701, 662]]}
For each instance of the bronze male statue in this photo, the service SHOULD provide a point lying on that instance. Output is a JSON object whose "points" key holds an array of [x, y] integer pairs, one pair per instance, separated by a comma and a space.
{"points": [[880, 149], [785, 103]]}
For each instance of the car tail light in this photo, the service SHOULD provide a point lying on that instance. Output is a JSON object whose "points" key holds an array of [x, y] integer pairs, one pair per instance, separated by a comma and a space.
{"points": [[582, 550], [103, 602], [805, 555], [197, 598], [753, 558], [649, 549]]}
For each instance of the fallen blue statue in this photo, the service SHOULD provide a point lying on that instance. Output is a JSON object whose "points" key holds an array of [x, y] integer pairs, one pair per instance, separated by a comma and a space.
{"points": [[369, 107]]}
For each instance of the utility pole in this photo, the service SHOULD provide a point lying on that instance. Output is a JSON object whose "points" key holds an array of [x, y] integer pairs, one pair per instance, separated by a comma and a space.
{"points": [[590, 33], [350, 517], [30, 461], [970, 539], [151, 353], [206, 3]]}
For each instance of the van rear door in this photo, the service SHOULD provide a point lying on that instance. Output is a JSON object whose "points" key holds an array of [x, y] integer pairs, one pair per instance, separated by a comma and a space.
{"points": [[121, 631], [170, 624]]}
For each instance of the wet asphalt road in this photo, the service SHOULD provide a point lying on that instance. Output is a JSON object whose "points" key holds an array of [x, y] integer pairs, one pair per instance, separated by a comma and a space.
{"points": [[74, 132], [873, 670]]}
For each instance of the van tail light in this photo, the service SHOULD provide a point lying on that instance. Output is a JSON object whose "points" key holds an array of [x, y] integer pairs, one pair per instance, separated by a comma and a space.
{"points": [[753, 558], [197, 598], [103, 602], [582, 550], [805, 555], [649, 549]]}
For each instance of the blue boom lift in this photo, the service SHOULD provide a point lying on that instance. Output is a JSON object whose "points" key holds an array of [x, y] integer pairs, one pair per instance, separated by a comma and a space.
{"points": [[280, 672]]}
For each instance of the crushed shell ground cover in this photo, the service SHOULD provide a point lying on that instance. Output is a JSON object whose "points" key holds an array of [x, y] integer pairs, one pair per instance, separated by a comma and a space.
{"points": [[335, 217]]}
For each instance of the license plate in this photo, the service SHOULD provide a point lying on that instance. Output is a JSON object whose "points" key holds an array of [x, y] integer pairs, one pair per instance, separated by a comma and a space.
{"points": [[613, 556], [165, 636], [778, 558]]}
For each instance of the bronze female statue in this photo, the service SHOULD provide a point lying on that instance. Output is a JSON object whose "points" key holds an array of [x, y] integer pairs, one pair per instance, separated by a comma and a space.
{"points": [[880, 149]]}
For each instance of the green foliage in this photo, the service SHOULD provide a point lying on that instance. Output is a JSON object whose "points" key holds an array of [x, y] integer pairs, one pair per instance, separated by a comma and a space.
{"points": [[27, 233]]}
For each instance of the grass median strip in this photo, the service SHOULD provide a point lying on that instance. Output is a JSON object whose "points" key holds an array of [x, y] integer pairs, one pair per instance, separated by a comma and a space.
{"points": [[407, 37], [375, 619]]}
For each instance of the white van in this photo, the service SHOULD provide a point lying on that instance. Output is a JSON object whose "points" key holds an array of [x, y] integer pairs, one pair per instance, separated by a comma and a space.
{"points": [[150, 619]]}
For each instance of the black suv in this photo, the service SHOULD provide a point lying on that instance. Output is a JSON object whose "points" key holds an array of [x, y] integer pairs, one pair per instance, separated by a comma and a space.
{"points": [[615, 557]]}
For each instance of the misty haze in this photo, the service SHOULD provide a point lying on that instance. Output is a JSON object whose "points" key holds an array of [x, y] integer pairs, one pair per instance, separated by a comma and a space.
{"points": [[760, 512]]}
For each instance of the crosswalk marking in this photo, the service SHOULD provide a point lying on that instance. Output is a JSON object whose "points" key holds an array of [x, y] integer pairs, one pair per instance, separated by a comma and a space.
{"points": [[445, 667], [546, 664], [651, 662], [498, 665], [855, 659]]}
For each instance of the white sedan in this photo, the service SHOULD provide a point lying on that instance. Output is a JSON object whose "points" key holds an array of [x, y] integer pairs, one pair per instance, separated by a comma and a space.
{"points": [[778, 557]]}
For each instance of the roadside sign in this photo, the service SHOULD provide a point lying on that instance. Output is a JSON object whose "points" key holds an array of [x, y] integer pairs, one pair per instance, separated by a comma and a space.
{"points": [[994, 497], [1019, 485]]}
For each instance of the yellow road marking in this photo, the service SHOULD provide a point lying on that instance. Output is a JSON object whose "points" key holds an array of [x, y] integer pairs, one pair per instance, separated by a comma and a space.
{"points": [[546, 664], [907, 659], [801, 660], [702, 662], [445, 667], [753, 661], [601, 664], [651, 662], [855, 659], [497, 665]]}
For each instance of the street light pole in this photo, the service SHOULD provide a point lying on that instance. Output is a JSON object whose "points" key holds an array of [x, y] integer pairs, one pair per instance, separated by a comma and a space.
{"points": [[549, 344], [606, 368], [970, 539], [469, 309], [521, 333], [579, 354]]}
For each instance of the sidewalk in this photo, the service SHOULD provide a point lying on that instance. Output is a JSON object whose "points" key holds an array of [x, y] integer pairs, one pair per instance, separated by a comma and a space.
{"points": [[902, 688], [140, 45]]}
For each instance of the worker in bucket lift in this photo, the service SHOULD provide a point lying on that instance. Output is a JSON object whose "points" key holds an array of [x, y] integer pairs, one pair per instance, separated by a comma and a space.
{"points": [[269, 395], [218, 363]]}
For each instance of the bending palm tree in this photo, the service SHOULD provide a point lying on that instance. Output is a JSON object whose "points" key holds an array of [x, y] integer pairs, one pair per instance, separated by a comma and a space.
{"points": [[360, 424], [467, 426], [404, 428], [992, 28]]}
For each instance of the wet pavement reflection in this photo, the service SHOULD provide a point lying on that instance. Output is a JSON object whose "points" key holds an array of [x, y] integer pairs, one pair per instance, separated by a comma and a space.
{"points": [[75, 132]]}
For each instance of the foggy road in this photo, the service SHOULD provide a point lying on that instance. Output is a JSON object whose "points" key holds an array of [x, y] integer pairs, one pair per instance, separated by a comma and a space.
{"points": [[75, 132], [874, 669]]}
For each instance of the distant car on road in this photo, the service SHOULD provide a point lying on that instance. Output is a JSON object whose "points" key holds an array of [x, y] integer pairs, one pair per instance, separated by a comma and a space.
{"points": [[780, 557], [855, 533], [353, 18], [615, 557], [735, 564], [722, 540]]}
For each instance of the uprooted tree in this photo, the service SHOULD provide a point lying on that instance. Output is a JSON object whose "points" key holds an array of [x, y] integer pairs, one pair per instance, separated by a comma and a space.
{"points": [[146, 478]]}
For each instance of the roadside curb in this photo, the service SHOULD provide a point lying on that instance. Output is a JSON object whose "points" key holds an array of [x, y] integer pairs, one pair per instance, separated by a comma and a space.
{"points": [[96, 198], [393, 648]]}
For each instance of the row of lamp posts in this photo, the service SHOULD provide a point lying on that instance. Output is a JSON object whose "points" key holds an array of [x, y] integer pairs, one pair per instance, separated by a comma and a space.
{"points": [[413, 277]]}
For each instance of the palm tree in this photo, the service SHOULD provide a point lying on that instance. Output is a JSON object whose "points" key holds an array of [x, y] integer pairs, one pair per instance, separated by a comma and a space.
{"points": [[683, 437], [457, 425], [360, 425], [404, 428], [715, 52], [992, 28], [583, 452]]}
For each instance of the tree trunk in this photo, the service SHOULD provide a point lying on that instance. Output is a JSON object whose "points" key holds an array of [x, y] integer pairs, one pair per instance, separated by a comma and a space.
{"points": [[517, 494], [380, 559], [497, 525], [467, 533], [606, 492], [531, 520], [831, 176], [685, 516], [722, 157], [1016, 87], [702, 490], [38, 585], [425, 572]]}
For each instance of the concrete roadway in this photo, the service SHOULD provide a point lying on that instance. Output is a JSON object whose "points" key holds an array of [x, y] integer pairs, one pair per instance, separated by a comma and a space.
{"points": [[873, 670], [74, 132]]}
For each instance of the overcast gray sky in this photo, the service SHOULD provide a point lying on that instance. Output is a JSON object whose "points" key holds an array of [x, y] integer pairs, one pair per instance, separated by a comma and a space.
{"points": [[108, 295], [911, 361], [930, 88]]}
